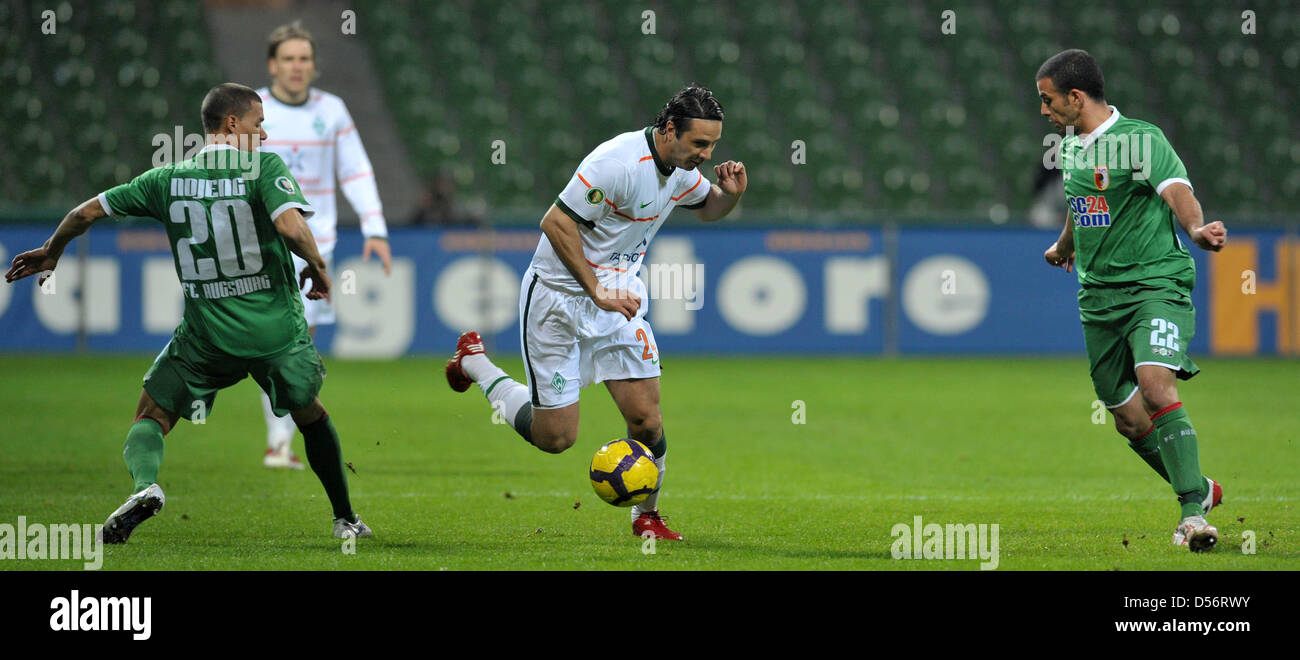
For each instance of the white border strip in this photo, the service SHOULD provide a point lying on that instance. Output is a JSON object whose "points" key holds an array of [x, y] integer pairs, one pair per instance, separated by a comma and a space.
{"points": [[307, 210], [1161, 364], [1126, 399], [1169, 182], [103, 201]]}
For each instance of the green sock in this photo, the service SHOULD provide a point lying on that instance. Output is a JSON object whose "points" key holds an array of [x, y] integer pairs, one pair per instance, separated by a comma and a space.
{"points": [[326, 460], [659, 448], [1147, 448], [1181, 458], [143, 452]]}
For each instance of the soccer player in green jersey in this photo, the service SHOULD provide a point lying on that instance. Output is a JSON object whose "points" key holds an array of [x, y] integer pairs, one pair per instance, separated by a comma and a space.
{"points": [[232, 216], [1128, 193]]}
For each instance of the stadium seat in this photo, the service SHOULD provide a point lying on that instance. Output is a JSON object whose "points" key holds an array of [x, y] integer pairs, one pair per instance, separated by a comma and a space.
{"points": [[891, 110]]}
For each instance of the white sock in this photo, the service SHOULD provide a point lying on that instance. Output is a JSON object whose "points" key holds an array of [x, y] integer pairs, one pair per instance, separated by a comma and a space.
{"points": [[506, 395], [480, 369], [652, 503], [279, 430]]}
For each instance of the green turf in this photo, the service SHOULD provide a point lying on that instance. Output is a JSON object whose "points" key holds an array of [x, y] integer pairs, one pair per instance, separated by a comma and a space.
{"points": [[1006, 441]]}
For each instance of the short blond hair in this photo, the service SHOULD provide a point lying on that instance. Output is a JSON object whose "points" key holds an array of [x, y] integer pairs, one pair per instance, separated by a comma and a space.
{"points": [[293, 30]]}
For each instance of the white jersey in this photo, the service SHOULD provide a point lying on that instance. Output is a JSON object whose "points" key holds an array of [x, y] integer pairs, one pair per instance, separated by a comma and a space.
{"points": [[620, 195], [319, 142]]}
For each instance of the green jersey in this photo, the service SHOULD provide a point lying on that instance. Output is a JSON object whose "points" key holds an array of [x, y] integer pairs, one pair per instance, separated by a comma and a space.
{"points": [[240, 290], [1124, 232]]}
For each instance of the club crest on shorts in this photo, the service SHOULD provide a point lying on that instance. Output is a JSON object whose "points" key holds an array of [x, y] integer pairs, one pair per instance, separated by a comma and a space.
{"points": [[595, 196], [1101, 176], [558, 383], [284, 183]]}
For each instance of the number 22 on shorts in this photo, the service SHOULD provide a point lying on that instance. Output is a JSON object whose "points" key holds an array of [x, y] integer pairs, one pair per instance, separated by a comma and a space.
{"points": [[1165, 334]]}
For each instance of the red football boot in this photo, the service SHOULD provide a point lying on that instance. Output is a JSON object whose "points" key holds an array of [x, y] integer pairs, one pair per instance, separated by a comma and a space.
{"points": [[468, 344], [652, 523]]}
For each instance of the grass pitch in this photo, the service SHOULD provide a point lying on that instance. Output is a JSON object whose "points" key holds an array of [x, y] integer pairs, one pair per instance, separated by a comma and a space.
{"points": [[1007, 441]]}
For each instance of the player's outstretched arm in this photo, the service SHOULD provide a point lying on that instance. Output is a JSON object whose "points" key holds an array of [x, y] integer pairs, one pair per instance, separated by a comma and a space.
{"points": [[46, 257], [725, 194], [297, 235], [1180, 198], [562, 232], [1062, 251]]}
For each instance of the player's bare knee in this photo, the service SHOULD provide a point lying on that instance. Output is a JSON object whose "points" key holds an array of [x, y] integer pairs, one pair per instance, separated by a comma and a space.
{"points": [[647, 433], [308, 415], [645, 424], [1130, 421], [1157, 387], [1158, 397], [147, 408], [554, 443], [1128, 428]]}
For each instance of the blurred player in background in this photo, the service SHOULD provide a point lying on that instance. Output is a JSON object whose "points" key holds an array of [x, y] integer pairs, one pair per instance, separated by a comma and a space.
{"points": [[1135, 275], [231, 237], [314, 134], [581, 306]]}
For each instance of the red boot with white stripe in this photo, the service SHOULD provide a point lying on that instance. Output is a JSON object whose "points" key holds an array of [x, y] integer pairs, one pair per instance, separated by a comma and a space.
{"points": [[651, 523], [468, 344]]}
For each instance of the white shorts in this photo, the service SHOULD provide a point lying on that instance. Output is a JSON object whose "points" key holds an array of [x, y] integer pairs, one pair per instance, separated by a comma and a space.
{"points": [[569, 343], [318, 312]]}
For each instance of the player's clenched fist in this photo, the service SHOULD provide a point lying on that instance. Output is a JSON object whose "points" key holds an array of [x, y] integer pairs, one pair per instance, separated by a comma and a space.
{"points": [[1058, 257], [320, 283], [1211, 237], [731, 177]]}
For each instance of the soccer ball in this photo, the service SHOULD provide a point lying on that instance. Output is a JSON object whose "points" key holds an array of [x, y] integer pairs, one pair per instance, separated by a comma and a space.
{"points": [[623, 472]]}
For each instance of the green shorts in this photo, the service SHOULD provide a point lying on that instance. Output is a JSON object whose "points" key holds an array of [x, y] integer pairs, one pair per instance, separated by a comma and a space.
{"points": [[1126, 327], [185, 377]]}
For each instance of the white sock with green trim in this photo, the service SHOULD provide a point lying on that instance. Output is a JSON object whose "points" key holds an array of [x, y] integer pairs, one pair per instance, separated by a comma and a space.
{"points": [[509, 398]]}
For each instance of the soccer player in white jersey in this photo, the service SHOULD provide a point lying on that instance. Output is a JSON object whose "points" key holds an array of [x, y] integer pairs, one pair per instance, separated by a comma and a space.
{"points": [[314, 134], [581, 306]]}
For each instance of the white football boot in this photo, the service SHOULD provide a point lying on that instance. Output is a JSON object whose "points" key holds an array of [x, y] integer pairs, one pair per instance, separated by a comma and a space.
{"points": [[357, 530], [138, 508], [1196, 534], [282, 458]]}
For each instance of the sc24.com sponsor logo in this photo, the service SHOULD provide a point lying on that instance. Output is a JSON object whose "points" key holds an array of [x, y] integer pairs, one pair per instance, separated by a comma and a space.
{"points": [[1089, 210]]}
